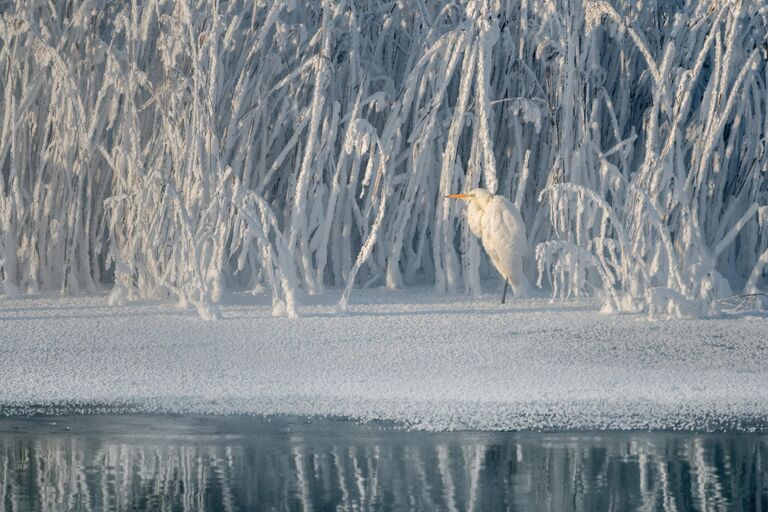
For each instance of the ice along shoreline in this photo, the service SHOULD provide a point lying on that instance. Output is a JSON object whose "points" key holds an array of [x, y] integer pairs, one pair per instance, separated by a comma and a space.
{"points": [[415, 358]]}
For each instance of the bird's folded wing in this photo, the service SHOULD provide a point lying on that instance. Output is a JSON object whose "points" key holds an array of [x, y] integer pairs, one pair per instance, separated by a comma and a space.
{"points": [[505, 226]]}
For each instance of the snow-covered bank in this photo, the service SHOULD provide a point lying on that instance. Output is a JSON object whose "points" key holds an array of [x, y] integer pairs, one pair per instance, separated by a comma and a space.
{"points": [[437, 362]]}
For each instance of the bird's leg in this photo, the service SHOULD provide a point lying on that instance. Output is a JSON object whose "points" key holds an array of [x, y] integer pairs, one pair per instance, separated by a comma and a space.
{"points": [[504, 293]]}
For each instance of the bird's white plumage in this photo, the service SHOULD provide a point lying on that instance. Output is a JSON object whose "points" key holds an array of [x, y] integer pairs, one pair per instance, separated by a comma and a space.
{"points": [[498, 224]]}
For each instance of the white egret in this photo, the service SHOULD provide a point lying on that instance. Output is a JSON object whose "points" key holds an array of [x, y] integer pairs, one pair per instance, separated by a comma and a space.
{"points": [[498, 224]]}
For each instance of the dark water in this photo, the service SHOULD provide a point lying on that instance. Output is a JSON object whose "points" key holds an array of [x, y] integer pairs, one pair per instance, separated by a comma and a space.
{"points": [[182, 463]]}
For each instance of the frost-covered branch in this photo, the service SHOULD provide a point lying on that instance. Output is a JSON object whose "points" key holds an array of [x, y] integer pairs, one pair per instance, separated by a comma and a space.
{"points": [[176, 149]]}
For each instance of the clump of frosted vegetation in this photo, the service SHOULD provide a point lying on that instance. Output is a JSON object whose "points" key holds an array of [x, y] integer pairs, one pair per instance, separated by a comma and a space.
{"points": [[177, 149]]}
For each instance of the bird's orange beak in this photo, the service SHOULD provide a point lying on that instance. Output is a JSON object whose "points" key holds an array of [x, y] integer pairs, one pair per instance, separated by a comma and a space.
{"points": [[458, 196]]}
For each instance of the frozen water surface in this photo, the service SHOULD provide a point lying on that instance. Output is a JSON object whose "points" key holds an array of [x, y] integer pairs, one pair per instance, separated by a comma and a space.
{"points": [[429, 361]]}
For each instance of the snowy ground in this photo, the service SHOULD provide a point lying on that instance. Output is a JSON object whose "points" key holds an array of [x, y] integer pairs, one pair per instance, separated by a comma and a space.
{"points": [[436, 362]]}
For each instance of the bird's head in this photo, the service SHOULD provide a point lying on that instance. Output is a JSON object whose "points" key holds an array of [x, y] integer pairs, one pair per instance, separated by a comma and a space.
{"points": [[479, 196]]}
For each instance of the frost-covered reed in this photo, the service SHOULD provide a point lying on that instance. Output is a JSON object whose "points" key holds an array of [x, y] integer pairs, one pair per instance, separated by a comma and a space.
{"points": [[170, 148]]}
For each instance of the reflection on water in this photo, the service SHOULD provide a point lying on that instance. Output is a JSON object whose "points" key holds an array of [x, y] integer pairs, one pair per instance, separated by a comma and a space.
{"points": [[182, 463]]}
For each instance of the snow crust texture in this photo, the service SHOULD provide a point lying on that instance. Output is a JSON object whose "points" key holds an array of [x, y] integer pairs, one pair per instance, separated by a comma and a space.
{"points": [[176, 149], [430, 362]]}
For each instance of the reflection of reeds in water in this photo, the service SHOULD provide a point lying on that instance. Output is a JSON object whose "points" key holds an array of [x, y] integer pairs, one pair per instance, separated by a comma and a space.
{"points": [[397, 471]]}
